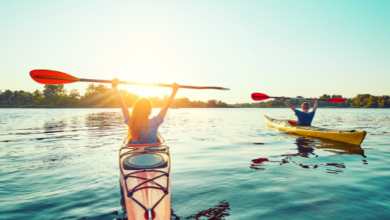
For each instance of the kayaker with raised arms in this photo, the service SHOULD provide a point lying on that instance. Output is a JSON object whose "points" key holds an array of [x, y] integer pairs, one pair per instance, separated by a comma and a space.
{"points": [[142, 129], [304, 117]]}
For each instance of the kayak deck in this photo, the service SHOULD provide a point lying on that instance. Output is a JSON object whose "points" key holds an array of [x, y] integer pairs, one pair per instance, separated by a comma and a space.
{"points": [[346, 136], [145, 178]]}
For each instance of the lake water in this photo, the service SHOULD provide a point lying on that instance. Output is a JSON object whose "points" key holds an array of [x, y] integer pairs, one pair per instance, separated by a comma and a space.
{"points": [[63, 164]]}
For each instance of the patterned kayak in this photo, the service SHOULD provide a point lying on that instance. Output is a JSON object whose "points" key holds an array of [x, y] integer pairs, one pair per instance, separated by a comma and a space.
{"points": [[346, 136], [145, 177]]}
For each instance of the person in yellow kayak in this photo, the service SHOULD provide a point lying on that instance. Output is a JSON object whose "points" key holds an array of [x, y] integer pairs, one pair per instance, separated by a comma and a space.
{"points": [[142, 129], [304, 117]]}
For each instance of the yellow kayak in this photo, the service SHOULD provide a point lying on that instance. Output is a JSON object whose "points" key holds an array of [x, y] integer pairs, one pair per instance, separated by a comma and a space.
{"points": [[346, 136]]}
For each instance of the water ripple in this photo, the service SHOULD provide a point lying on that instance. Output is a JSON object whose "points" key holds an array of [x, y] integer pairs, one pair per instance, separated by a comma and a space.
{"points": [[226, 164]]}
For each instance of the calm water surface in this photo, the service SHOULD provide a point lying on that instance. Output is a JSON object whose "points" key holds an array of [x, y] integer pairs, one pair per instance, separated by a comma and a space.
{"points": [[62, 164]]}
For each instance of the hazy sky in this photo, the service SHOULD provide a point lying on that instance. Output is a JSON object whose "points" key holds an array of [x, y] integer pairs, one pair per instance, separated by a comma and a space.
{"points": [[290, 47]]}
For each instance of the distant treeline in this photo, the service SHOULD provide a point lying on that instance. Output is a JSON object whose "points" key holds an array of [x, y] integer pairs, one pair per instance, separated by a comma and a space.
{"points": [[360, 101], [96, 96], [100, 96]]}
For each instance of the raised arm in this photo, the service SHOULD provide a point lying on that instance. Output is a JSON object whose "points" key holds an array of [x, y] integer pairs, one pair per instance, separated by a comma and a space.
{"points": [[122, 103], [288, 104], [164, 110], [315, 104]]}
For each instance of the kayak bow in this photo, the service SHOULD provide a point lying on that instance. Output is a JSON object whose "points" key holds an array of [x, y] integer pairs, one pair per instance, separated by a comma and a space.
{"points": [[145, 178], [346, 136]]}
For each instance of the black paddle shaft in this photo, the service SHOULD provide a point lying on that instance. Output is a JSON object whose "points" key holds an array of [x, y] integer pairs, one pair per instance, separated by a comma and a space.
{"points": [[297, 98], [153, 84]]}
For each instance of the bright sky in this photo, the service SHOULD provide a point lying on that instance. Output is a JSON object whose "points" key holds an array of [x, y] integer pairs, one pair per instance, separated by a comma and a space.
{"points": [[280, 47]]}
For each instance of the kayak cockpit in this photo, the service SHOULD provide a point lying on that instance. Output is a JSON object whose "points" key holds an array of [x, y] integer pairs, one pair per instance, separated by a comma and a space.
{"points": [[292, 123], [144, 156], [155, 157]]}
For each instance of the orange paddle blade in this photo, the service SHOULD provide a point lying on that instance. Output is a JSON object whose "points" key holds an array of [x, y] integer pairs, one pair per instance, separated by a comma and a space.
{"points": [[52, 77]]}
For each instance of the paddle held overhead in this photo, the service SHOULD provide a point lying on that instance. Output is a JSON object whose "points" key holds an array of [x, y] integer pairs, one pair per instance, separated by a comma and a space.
{"points": [[56, 77], [261, 97]]}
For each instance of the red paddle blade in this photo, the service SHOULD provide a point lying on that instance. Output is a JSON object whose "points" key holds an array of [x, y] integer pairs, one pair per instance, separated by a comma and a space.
{"points": [[260, 160], [336, 100], [259, 96], [52, 77]]}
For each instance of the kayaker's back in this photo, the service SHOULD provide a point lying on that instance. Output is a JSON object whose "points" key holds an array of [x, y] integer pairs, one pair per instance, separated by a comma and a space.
{"points": [[148, 132], [159, 139]]}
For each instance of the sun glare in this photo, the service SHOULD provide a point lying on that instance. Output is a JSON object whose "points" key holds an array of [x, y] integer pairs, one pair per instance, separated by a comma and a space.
{"points": [[148, 91]]}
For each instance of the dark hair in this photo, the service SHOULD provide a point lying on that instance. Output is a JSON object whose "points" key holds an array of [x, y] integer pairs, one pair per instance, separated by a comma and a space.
{"points": [[305, 105]]}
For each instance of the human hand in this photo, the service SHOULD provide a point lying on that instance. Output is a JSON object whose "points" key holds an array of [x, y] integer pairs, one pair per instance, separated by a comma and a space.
{"points": [[114, 84], [175, 87], [283, 99], [315, 99]]}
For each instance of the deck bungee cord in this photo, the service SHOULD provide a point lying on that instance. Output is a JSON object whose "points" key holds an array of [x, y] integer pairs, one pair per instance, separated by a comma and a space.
{"points": [[149, 212]]}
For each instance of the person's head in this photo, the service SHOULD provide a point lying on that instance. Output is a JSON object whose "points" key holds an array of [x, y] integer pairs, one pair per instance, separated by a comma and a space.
{"points": [[139, 116], [305, 106]]}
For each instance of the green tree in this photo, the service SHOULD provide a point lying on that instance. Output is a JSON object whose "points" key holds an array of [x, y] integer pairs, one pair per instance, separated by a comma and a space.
{"points": [[5, 96], [222, 104], [212, 103], [99, 96], [37, 97], [383, 101], [52, 93], [129, 98], [74, 98], [372, 102], [360, 100], [25, 98]]}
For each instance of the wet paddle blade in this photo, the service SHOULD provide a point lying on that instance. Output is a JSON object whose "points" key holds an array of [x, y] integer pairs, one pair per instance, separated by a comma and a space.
{"points": [[336, 100], [259, 96], [52, 77]]}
